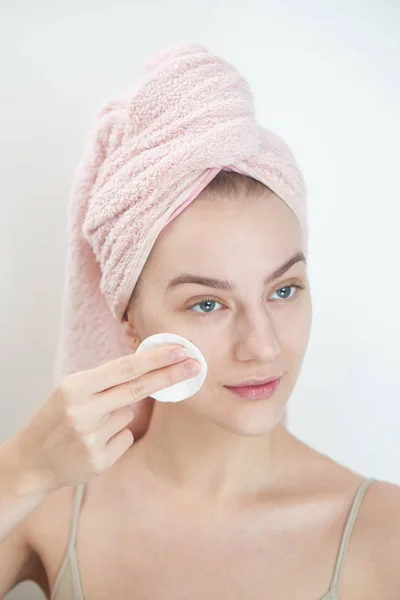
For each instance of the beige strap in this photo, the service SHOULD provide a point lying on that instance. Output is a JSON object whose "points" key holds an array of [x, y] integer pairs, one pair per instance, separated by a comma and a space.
{"points": [[68, 574], [343, 546], [75, 515], [348, 530]]}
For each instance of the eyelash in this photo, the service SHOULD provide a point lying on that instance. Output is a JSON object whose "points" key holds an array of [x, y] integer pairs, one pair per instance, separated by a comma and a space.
{"points": [[211, 299]]}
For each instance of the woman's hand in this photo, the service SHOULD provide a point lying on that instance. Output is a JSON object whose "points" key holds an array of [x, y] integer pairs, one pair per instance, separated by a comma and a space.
{"points": [[85, 425]]}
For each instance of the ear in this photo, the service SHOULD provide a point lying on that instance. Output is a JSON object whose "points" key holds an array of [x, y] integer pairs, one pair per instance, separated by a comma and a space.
{"points": [[130, 332]]}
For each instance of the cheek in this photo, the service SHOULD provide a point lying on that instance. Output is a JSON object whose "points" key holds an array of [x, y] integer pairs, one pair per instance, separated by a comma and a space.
{"points": [[305, 326], [294, 353], [295, 332]]}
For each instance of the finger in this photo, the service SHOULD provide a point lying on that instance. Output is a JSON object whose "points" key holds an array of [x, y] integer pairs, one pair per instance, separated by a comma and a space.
{"points": [[118, 445], [116, 421], [133, 391], [127, 368]]}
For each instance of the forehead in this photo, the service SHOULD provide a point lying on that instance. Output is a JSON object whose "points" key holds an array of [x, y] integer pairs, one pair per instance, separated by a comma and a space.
{"points": [[264, 223], [234, 240]]}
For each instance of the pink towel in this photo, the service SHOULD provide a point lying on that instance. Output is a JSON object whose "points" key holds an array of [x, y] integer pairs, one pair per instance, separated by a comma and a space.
{"points": [[151, 151]]}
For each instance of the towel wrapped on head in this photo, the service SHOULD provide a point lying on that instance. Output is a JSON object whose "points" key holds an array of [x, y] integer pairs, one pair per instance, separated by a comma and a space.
{"points": [[152, 150]]}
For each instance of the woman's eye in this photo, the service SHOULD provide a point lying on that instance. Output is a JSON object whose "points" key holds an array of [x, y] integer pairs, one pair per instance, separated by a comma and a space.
{"points": [[206, 303], [209, 303], [285, 290]]}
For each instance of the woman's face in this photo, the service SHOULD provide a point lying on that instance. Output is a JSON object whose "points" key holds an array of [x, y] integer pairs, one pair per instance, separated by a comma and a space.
{"points": [[254, 330]]}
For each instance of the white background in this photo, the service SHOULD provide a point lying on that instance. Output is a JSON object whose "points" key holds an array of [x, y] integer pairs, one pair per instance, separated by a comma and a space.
{"points": [[326, 78]]}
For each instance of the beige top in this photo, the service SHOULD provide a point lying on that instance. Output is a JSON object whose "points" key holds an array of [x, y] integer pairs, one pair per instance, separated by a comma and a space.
{"points": [[68, 584]]}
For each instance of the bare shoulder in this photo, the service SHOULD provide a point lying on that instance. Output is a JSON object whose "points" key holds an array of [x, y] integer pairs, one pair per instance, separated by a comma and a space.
{"points": [[374, 550], [380, 523], [381, 511], [387, 493]]}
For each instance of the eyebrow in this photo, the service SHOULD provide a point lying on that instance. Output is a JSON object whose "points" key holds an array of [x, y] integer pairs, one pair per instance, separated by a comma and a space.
{"points": [[227, 286]]}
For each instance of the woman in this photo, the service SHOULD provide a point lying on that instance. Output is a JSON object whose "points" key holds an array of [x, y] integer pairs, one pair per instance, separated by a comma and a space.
{"points": [[215, 498]]}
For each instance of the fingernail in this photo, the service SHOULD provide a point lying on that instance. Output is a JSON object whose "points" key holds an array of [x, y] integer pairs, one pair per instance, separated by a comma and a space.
{"points": [[191, 368], [177, 354]]}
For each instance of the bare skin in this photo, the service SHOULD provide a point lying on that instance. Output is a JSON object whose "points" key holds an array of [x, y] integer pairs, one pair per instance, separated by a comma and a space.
{"points": [[143, 535], [215, 498]]}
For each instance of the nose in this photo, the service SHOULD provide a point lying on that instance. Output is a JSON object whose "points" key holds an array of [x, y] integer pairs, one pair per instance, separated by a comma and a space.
{"points": [[258, 342]]}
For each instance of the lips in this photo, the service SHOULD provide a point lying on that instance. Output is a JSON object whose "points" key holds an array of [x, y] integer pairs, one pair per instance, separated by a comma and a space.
{"points": [[254, 382], [256, 392]]}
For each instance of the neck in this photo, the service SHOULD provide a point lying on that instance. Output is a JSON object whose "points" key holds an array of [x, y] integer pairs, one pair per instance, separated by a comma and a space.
{"points": [[188, 452]]}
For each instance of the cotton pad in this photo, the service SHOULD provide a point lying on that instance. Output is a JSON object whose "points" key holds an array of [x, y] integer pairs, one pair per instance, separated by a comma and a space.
{"points": [[183, 389]]}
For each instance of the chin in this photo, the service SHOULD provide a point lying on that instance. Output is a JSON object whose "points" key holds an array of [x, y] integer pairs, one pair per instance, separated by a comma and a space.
{"points": [[243, 422], [250, 427], [240, 416]]}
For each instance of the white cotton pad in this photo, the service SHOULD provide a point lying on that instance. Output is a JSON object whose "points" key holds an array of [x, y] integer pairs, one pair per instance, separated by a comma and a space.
{"points": [[183, 389]]}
